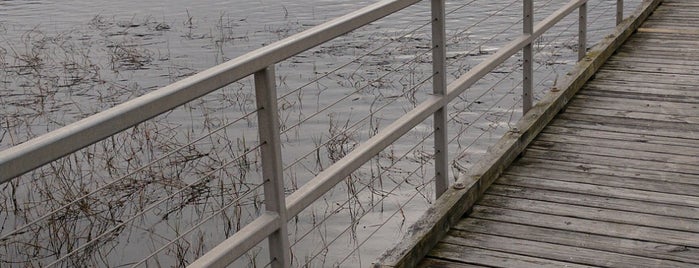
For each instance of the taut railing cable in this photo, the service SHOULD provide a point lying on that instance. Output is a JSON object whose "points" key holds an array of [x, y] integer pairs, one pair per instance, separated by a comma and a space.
{"points": [[272, 224], [113, 182], [147, 209]]}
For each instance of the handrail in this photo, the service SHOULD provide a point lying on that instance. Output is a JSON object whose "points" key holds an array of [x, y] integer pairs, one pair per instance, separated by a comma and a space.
{"points": [[272, 224], [48, 147], [323, 182]]}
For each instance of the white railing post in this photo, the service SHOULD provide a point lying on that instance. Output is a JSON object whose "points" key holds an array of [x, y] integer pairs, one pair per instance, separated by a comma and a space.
{"points": [[582, 32], [528, 56], [439, 84], [619, 11], [272, 171]]}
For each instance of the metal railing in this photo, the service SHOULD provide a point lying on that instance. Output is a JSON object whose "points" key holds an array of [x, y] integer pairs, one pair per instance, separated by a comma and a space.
{"points": [[260, 63]]}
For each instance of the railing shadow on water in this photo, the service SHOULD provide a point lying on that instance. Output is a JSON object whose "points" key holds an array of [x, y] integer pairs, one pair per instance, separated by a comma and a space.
{"points": [[420, 145]]}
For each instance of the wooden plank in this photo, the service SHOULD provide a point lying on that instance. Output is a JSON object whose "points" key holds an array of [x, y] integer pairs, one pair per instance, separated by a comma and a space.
{"points": [[661, 128], [667, 122], [652, 67], [639, 145], [681, 14], [661, 21], [607, 170], [582, 176], [681, 161], [680, 3], [687, 255], [681, 239], [669, 101], [646, 139], [634, 92], [676, 79], [437, 263], [678, 121], [659, 61], [611, 125], [655, 44], [668, 112], [491, 258], [669, 49], [650, 50], [599, 190], [604, 169], [556, 252], [655, 51], [628, 54], [595, 201], [645, 88], [592, 213], [654, 27], [656, 103], [612, 161], [641, 37]]}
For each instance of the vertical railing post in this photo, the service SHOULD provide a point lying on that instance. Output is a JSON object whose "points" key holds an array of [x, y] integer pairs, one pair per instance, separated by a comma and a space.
{"points": [[528, 56], [582, 32], [272, 172], [439, 85], [619, 11]]}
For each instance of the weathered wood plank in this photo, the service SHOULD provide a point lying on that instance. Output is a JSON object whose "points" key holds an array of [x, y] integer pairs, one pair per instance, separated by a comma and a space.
{"points": [[582, 176], [609, 124], [652, 61], [626, 112], [635, 91], [627, 54], [631, 76], [650, 50], [681, 161], [641, 36], [654, 52], [595, 201], [437, 263], [652, 67], [604, 169], [682, 240], [556, 252], [646, 139], [491, 258], [647, 98], [591, 213], [685, 21], [639, 164], [639, 145], [688, 255], [623, 93], [660, 27], [599, 190], [669, 129]]}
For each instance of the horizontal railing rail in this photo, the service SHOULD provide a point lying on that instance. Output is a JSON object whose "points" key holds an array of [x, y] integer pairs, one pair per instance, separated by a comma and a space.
{"points": [[271, 224], [46, 148]]}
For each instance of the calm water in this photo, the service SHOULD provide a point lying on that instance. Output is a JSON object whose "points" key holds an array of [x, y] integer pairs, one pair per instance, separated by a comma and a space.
{"points": [[64, 60]]}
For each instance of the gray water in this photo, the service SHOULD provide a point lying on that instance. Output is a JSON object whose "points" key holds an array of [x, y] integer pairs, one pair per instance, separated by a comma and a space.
{"points": [[61, 61]]}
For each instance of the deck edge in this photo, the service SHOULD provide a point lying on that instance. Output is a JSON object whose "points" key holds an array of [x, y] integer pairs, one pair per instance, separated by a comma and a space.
{"points": [[444, 213]]}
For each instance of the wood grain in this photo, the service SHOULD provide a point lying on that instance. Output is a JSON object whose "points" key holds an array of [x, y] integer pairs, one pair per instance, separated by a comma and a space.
{"points": [[612, 180]]}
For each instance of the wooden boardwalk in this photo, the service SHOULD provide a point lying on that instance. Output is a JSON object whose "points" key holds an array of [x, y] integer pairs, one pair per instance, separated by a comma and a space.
{"points": [[611, 181]]}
